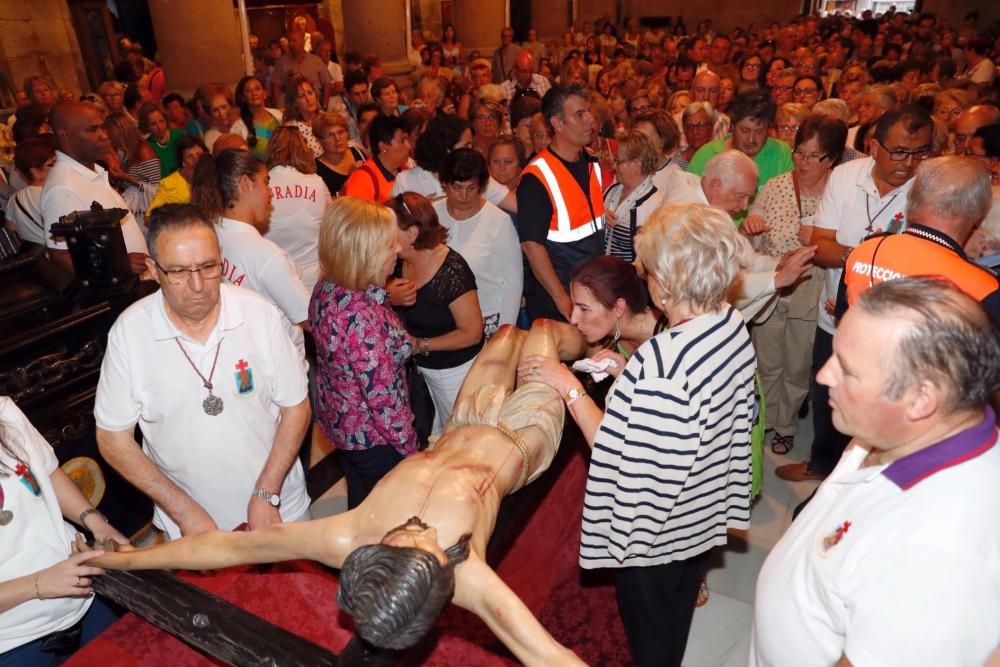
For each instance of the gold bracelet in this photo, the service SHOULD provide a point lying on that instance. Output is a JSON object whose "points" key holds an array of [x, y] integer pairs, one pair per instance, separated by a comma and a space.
{"points": [[37, 594]]}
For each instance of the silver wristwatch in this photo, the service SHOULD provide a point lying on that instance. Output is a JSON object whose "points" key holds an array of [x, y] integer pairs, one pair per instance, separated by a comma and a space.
{"points": [[272, 498]]}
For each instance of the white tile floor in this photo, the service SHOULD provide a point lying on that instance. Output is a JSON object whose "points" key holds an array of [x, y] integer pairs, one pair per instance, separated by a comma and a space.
{"points": [[720, 633]]}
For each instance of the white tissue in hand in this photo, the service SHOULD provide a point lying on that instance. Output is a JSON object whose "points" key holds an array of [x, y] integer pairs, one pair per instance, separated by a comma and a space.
{"points": [[597, 369]]}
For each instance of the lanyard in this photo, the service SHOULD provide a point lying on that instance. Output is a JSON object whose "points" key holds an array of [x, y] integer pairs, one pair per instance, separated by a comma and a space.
{"points": [[868, 211]]}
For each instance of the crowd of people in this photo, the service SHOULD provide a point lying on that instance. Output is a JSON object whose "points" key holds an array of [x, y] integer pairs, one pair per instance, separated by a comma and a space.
{"points": [[735, 224]]}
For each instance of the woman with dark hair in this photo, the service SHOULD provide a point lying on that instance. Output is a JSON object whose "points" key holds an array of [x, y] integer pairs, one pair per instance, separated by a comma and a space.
{"points": [[233, 188], [176, 188], [808, 90], [339, 158], [450, 46], [444, 317], [390, 149], [160, 136], [752, 73], [301, 106], [257, 122], [47, 603], [483, 235], [386, 95], [298, 203], [443, 134], [785, 206]]}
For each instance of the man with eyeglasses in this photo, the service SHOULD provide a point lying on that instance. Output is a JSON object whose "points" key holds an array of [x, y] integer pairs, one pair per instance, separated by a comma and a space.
{"points": [[862, 197], [985, 146], [705, 88], [218, 389], [950, 196]]}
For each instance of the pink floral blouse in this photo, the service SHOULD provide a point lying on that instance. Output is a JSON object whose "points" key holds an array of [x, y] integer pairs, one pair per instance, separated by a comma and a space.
{"points": [[362, 399]]}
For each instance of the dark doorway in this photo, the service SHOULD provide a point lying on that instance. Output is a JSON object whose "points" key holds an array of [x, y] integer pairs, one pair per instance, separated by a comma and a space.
{"points": [[520, 18]]}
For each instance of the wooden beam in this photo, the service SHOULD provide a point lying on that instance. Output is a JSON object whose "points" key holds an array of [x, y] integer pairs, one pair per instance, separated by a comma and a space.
{"points": [[209, 623]]}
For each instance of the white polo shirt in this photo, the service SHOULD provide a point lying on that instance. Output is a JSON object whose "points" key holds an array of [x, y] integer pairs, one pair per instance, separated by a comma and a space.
{"points": [[146, 379], [896, 564], [298, 204], [24, 209], [36, 538], [70, 186], [852, 206], [684, 188], [249, 260]]}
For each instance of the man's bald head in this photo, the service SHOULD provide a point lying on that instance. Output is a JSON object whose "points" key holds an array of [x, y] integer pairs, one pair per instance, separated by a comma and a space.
{"points": [[524, 65], [705, 87], [970, 120], [79, 128]]}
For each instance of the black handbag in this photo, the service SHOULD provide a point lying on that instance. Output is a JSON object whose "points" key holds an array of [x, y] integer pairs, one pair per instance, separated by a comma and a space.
{"points": [[421, 404]]}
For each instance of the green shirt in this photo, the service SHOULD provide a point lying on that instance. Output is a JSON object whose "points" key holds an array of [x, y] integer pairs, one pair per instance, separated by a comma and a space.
{"points": [[167, 153], [774, 159]]}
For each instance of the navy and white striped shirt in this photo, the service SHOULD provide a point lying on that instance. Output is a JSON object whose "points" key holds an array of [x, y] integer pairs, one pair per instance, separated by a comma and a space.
{"points": [[670, 471]]}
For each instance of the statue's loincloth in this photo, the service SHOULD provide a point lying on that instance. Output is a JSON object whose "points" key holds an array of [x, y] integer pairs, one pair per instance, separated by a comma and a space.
{"points": [[532, 405]]}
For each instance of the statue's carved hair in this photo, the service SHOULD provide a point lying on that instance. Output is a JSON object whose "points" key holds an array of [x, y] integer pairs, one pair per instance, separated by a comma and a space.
{"points": [[395, 594]]}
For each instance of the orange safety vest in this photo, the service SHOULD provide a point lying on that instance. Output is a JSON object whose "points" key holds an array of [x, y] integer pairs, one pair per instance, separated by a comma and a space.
{"points": [[368, 183], [915, 252], [573, 218]]}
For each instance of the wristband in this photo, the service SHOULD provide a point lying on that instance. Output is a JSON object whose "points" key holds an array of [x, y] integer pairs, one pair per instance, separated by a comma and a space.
{"points": [[425, 347], [87, 512]]}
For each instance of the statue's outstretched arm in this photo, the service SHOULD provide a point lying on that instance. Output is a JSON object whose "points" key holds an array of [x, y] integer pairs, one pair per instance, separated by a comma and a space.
{"points": [[479, 590], [327, 540]]}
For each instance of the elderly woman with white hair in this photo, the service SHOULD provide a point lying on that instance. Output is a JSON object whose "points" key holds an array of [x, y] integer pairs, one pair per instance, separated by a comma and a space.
{"points": [[671, 466], [698, 126]]}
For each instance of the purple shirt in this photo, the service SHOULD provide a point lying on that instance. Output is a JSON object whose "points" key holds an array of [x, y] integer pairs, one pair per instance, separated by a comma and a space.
{"points": [[361, 350]]}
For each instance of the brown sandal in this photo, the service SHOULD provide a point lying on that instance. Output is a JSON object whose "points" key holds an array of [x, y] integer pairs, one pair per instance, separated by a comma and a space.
{"points": [[702, 594], [782, 444]]}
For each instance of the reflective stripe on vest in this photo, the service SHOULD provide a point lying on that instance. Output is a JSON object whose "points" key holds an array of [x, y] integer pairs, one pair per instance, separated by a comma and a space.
{"points": [[566, 225], [885, 258]]}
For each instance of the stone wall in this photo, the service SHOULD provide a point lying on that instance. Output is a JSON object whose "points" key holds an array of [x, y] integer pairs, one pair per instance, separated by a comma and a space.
{"points": [[37, 37]]}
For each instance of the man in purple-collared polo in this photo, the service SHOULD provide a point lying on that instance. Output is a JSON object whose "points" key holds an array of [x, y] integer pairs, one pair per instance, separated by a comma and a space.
{"points": [[896, 560]]}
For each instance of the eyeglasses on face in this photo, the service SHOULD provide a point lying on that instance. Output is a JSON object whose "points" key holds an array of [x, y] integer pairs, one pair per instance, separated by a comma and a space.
{"points": [[183, 276], [788, 129], [697, 126], [900, 155], [804, 92], [784, 89], [810, 157]]}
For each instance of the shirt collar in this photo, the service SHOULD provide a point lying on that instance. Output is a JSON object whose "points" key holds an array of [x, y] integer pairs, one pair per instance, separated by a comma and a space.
{"points": [[934, 235], [86, 172], [230, 317], [867, 182], [970, 443]]}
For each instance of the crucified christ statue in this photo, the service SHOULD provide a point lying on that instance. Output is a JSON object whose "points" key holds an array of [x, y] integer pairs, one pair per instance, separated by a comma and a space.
{"points": [[419, 539]]}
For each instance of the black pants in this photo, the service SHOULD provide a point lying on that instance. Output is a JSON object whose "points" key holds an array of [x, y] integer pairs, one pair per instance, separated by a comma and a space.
{"points": [[656, 604], [828, 442], [364, 468]]}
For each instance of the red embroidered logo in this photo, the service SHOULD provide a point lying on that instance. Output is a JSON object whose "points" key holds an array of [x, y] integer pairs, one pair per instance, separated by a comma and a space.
{"points": [[834, 538]]}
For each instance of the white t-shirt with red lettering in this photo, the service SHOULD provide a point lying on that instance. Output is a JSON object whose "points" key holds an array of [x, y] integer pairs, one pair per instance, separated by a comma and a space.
{"points": [[298, 203]]}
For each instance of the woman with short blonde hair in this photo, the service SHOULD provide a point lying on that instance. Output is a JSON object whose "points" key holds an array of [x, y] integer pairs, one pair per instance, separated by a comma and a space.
{"points": [[356, 239], [787, 120], [339, 159], [670, 470], [634, 196], [288, 149], [362, 348]]}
